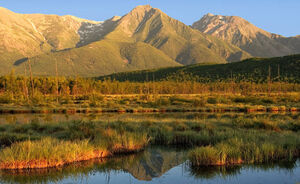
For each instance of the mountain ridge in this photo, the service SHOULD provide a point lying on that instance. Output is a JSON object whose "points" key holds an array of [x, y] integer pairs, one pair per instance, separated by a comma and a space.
{"points": [[144, 38], [247, 36], [176, 39], [29, 35]]}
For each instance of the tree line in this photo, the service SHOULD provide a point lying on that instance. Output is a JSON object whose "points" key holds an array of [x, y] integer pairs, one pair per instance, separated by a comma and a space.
{"points": [[27, 87]]}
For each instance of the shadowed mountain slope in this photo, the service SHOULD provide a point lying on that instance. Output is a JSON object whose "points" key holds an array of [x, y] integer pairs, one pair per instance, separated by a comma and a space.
{"points": [[285, 68]]}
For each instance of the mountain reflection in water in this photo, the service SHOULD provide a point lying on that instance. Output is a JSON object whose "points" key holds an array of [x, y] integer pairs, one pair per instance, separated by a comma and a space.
{"points": [[154, 165]]}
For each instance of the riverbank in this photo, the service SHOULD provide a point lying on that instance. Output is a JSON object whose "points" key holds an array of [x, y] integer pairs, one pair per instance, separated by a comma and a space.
{"points": [[49, 152]]}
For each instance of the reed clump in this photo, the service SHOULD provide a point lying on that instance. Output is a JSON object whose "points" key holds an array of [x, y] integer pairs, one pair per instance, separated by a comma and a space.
{"points": [[51, 152], [47, 152], [238, 152]]}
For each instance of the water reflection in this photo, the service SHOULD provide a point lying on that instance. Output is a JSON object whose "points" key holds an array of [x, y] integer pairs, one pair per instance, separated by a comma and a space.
{"points": [[154, 165], [230, 171], [151, 163]]}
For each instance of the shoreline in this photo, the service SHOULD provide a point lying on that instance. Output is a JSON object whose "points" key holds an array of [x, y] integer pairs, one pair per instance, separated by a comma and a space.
{"points": [[42, 164], [272, 109]]}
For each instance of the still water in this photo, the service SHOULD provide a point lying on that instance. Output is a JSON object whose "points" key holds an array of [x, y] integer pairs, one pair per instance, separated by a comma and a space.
{"points": [[154, 165]]}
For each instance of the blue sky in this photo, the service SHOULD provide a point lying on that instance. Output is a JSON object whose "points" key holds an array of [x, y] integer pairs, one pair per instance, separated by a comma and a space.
{"points": [[277, 16]]}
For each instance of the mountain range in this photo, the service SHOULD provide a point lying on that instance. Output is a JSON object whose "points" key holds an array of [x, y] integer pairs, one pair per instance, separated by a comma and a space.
{"points": [[145, 38], [248, 37]]}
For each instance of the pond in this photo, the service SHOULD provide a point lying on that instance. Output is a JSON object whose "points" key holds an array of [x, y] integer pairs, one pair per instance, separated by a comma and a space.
{"points": [[155, 165]]}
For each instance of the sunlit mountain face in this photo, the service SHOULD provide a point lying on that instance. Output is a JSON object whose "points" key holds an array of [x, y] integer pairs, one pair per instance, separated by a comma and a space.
{"points": [[248, 37], [144, 38]]}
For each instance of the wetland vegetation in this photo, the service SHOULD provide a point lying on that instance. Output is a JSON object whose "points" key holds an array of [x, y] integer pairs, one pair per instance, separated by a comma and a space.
{"points": [[156, 164], [220, 123], [70, 95], [229, 139]]}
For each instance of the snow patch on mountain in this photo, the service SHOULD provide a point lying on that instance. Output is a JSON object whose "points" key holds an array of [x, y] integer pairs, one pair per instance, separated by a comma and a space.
{"points": [[90, 32]]}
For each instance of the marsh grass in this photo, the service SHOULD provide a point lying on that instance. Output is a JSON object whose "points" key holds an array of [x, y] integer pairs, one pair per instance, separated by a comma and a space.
{"points": [[218, 140], [236, 151], [207, 101], [7, 139], [51, 152], [47, 152]]}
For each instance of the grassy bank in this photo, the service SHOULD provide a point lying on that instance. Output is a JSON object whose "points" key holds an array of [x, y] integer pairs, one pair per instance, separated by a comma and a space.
{"points": [[45, 153], [50, 152], [237, 152], [32, 146], [217, 141]]}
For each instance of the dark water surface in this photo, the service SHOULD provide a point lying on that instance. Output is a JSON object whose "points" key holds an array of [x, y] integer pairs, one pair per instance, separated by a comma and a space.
{"points": [[154, 165]]}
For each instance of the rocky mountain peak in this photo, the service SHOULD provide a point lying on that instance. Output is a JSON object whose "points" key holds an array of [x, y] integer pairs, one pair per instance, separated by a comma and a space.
{"points": [[243, 34], [131, 22], [141, 8], [140, 11]]}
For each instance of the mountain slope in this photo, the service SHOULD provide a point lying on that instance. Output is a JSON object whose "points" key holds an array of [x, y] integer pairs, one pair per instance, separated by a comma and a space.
{"points": [[248, 37], [145, 38], [177, 40], [61, 32], [255, 69], [24, 36], [99, 58], [18, 39]]}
